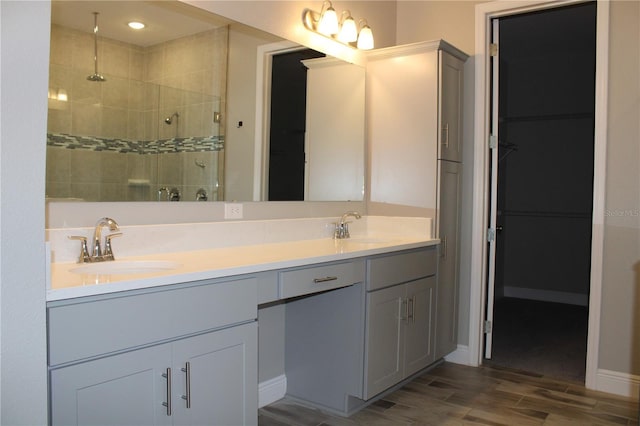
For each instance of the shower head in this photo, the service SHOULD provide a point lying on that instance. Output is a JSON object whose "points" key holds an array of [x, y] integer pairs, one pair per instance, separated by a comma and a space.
{"points": [[95, 76], [169, 119]]}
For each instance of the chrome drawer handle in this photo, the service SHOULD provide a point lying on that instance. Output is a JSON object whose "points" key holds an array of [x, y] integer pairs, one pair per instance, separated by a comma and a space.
{"points": [[325, 279], [187, 371], [167, 404], [445, 131]]}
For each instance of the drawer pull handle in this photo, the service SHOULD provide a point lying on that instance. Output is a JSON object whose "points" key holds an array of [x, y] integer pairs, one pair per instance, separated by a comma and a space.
{"points": [[411, 309], [324, 280], [187, 371], [167, 404], [445, 135], [404, 308]]}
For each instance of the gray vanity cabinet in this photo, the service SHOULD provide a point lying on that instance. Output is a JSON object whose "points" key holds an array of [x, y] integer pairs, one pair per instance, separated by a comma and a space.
{"points": [[221, 368], [183, 355], [132, 388], [400, 320], [119, 390]]}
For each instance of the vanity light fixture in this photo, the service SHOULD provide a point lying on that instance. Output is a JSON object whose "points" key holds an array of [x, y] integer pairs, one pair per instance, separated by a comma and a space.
{"points": [[326, 23], [136, 25]]}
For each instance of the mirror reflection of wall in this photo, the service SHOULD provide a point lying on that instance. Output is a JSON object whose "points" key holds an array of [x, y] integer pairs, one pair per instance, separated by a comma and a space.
{"points": [[153, 124]]}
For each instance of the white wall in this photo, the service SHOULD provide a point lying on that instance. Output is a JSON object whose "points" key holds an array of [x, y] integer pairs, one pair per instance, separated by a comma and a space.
{"points": [[620, 322], [241, 106], [24, 63]]}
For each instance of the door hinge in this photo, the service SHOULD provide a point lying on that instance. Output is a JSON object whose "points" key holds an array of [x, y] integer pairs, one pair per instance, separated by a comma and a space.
{"points": [[493, 141], [487, 327], [491, 234], [493, 49]]}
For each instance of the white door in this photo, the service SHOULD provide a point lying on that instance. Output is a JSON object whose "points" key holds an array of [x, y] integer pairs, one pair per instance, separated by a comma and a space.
{"points": [[493, 202]]}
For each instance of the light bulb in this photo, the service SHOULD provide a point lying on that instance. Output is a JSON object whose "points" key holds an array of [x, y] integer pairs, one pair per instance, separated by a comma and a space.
{"points": [[348, 31], [365, 39], [328, 21], [136, 25]]}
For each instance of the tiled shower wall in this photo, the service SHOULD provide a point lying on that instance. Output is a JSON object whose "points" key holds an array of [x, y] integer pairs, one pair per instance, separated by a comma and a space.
{"points": [[109, 141]]}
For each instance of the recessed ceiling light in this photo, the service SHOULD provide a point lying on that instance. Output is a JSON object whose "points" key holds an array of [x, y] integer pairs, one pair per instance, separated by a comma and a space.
{"points": [[136, 25]]}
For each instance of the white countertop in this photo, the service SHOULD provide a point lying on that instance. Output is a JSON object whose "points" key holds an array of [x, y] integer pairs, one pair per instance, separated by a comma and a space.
{"points": [[222, 262]]}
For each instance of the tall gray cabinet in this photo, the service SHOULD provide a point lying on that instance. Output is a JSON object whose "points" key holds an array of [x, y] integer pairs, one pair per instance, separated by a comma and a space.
{"points": [[447, 224], [415, 134]]}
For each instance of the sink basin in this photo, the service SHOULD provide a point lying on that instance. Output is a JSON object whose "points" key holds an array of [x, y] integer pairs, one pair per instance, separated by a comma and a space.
{"points": [[126, 267]]}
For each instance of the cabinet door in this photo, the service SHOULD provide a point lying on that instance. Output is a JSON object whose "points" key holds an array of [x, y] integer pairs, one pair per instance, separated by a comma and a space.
{"points": [[450, 107], [126, 389], [384, 348], [448, 280], [419, 333], [221, 380]]}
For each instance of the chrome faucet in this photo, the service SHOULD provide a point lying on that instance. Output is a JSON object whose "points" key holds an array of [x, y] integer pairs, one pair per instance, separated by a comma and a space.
{"points": [[342, 227], [97, 254]]}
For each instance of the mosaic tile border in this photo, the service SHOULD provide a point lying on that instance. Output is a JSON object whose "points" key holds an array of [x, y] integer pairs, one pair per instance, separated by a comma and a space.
{"points": [[124, 146]]}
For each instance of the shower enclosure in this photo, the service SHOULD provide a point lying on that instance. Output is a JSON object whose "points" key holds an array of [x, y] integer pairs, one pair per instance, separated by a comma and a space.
{"points": [[151, 133], [185, 154]]}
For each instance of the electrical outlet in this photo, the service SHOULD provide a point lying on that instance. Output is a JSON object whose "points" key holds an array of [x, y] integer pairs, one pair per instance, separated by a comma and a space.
{"points": [[232, 211]]}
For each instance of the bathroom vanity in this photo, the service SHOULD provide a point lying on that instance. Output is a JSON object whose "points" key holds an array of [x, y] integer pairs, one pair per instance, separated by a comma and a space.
{"points": [[181, 346]]}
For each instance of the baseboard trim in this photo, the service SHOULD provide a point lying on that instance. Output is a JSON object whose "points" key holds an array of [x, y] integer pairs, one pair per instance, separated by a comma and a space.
{"points": [[272, 390], [623, 384], [461, 356], [547, 295]]}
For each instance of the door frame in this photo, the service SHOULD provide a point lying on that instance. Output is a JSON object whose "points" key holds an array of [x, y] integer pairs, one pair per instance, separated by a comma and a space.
{"points": [[265, 53], [484, 12]]}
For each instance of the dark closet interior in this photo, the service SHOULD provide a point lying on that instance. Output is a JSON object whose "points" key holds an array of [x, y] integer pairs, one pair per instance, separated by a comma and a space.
{"points": [[545, 190], [288, 124]]}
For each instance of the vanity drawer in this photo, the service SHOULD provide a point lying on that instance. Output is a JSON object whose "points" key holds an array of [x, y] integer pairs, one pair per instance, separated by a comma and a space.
{"points": [[388, 270], [298, 282], [90, 328]]}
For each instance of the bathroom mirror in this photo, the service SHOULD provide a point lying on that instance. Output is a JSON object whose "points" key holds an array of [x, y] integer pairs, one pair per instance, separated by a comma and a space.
{"points": [[169, 122]]}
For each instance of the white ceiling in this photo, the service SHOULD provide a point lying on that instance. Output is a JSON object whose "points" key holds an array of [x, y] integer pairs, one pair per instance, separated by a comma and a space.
{"points": [[164, 20]]}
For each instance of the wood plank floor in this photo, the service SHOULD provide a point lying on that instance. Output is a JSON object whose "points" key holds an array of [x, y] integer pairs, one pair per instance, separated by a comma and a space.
{"points": [[452, 394]]}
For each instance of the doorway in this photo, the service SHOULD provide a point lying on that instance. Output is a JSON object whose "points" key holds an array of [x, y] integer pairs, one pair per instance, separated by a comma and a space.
{"points": [[538, 293], [288, 125]]}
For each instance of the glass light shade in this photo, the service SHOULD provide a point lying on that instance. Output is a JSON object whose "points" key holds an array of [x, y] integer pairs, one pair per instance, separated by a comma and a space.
{"points": [[348, 31], [328, 22], [365, 39]]}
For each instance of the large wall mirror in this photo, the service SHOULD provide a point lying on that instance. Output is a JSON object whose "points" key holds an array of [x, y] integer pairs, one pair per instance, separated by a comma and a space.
{"points": [[183, 112]]}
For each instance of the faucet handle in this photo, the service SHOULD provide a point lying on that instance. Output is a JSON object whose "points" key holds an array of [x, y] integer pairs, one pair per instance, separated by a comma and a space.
{"points": [[108, 251], [84, 251], [342, 230]]}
